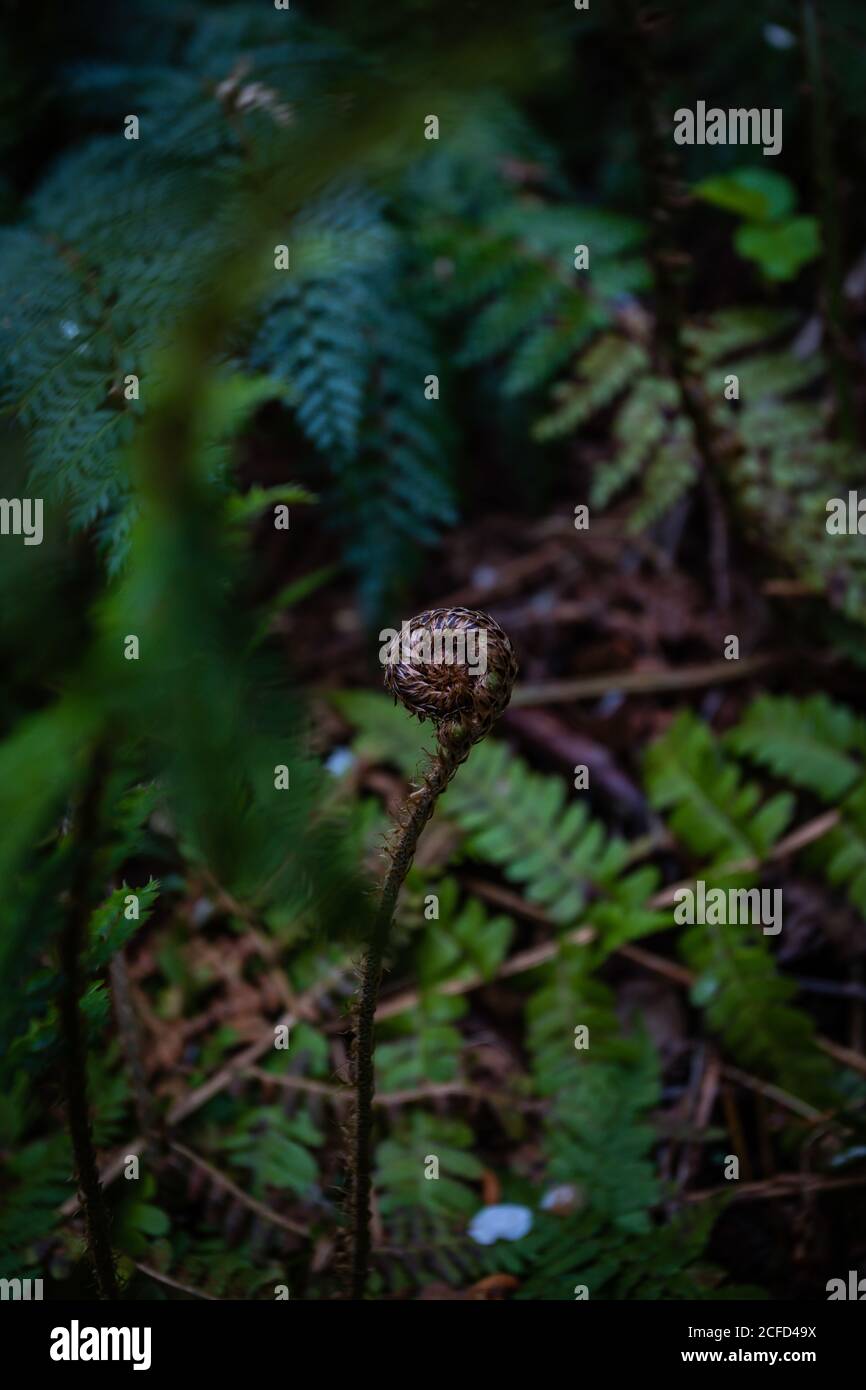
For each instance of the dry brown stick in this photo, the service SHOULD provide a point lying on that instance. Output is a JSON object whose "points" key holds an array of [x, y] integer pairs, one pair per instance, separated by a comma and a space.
{"points": [[659, 965], [785, 1185], [765, 1143], [515, 965], [540, 955], [434, 1091], [304, 1007], [290, 1082], [705, 1099], [804, 835], [646, 682], [774, 1093], [845, 1055], [735, 1129], [440, 1089], [222, 1180], [129, 1033], [175, 1283], [508, 577], [789, 588]]}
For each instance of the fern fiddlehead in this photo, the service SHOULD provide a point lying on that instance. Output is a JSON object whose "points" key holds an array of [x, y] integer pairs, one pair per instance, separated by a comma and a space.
{"points": [[430, 675]]}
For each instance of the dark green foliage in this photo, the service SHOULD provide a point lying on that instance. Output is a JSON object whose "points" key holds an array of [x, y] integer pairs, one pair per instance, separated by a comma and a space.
{"points": [[211, 1270], [506, 256], [519, 820], [720, 818], [597, 1131], [466, 940], [401, 1161], [410, 259], [477, 232], [354, 353], [819, 746], [36, 1171], [723, 822], [86, 304], [273, 1150], [93, 284], [578, 1257], [35, 1182], [813, 743]]}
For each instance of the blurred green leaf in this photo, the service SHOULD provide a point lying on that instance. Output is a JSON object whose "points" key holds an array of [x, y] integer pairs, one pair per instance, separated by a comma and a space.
{"points": [[780, 249], [754, 193]]}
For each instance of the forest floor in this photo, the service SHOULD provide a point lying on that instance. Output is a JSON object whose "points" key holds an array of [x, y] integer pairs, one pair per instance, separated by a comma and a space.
{"points": [[614, 634]]}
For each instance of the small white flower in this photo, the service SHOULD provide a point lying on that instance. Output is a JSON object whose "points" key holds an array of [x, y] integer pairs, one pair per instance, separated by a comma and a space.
{"points": [[505, 1222], [340, 761], [779, 37]]}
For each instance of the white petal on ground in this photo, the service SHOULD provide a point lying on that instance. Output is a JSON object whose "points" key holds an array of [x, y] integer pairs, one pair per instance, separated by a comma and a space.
{"points": [[505, 1222], [564, 1197], [340, 761]]}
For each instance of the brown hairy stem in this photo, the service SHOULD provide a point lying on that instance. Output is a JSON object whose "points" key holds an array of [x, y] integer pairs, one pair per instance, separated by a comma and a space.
{"points": [[717, 444], [463, 704], [824, 164]]}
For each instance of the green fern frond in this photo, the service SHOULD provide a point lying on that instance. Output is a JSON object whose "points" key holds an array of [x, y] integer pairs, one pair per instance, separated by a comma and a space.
{"points": [[401, 1161], [111, 927], [517, 269], [519, 820], [596, 1130], [722, 819], [841, 854], [719, 337], [273, 1149], [639, 429], [460, 939], [808, 742], [713, 811], [605, 370], [35, 1181], [547, 347], [422, 1248], [670, 474], [354, 354], [579, 1256], [749, 1005]]}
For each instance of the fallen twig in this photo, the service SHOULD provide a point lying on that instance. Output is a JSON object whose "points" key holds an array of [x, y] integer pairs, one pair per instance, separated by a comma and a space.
{"points": [[785, 1185], [175, 1283], [222, 1180], [645, 682]]}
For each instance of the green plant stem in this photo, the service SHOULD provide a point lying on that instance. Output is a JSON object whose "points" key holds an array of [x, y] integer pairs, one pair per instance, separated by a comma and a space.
{"points": [[72, 1028]]}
